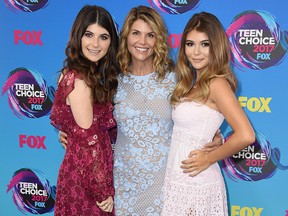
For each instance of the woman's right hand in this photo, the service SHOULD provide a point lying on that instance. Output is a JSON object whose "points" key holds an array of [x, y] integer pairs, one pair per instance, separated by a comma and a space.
{"points": [[217, 141], [63, 139]]}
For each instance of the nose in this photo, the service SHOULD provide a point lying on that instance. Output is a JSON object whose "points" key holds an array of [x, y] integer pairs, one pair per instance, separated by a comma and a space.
{"points": [[95, 41], [196, 49], [142, 39]]}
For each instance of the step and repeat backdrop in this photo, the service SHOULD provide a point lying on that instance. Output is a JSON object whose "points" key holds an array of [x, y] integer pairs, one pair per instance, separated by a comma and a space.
{"points": [[33, 36]]}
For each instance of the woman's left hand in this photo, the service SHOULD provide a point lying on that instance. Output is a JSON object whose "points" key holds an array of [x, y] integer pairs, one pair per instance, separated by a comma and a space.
{"points": [[197, 162], [106, 205]]}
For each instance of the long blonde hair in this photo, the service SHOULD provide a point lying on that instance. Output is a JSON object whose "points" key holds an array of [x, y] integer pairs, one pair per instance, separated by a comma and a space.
{"points": [[162, 63], [219, 59]]}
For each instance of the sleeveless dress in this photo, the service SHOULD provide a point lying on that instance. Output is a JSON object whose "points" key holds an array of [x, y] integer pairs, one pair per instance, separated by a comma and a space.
{"points": [[144, 127], [86, 173], [205, 194]]}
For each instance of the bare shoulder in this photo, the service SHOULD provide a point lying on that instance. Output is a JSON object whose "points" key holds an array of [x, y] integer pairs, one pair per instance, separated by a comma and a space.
{"points": [[80, 83], [218, 82], [220, 89]]}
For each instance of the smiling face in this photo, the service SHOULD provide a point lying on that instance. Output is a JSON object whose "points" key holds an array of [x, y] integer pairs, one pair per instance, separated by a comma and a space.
{"points": [[197, 50], [95, 42], [141, 41]]}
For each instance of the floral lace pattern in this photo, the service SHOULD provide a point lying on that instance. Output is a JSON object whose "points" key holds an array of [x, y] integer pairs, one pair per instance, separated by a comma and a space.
{"points": [[85, 175], [144, 125], [204, 194]]}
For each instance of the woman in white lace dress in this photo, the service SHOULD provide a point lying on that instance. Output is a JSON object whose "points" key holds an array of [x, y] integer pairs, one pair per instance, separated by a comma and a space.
{"points": [[203, 98]]}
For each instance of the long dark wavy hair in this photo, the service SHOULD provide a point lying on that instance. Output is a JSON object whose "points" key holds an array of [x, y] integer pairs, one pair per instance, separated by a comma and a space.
{"points": [[101, 77]]}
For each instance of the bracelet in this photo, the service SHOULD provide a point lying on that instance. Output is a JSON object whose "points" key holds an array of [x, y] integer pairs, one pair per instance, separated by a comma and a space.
{"points": [[223, 138]]}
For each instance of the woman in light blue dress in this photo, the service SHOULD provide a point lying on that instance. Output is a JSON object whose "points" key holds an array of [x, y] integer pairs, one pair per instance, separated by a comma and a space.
{"points": [[143, 114]]}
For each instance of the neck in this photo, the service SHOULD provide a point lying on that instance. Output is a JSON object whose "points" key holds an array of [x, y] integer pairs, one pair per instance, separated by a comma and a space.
{"points": [[141, 68]]}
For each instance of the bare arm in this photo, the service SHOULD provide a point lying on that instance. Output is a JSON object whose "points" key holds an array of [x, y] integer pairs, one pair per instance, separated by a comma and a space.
{"points": [[80, 100]]}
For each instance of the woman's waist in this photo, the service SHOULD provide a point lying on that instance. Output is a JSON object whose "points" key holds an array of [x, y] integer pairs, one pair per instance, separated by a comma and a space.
{"points": [[210, 175], [189, 139]]}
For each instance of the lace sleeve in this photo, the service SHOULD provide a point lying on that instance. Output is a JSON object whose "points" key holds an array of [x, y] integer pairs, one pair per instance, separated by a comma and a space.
{"points": [[97, 157], [69, 81], [96, 167]]}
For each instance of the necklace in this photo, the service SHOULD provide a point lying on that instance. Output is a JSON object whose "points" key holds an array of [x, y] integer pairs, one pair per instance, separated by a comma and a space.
{"points": [[195, 85]]}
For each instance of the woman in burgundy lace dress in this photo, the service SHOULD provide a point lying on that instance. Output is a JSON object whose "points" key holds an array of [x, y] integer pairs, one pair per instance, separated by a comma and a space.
{"points": [[82, 108]]}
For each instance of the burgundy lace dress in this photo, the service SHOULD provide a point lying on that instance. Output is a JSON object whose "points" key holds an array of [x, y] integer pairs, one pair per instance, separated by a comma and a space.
{"points": [[85, 175]]}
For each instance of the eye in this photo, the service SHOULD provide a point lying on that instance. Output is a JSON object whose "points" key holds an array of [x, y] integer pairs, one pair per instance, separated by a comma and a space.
{"points": [[135, 33], [88, 34], [205, 44], [104, 37], [189, 43], [151, 35]]}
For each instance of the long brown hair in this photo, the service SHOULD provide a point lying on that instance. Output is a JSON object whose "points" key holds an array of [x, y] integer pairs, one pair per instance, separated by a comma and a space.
{"points": [[219, 59], [100, 76]]}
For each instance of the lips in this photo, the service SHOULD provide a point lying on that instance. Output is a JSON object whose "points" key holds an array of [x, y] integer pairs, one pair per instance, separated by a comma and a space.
{"points": [[94, 52], [197, 60], [141, 49]]}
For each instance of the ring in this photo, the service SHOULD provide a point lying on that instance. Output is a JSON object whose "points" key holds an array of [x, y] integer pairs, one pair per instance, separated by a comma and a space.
{"points": [[190, 165]]}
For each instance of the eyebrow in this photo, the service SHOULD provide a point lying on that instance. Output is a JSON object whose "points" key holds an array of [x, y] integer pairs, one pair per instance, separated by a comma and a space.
{"points": [[152, 32], [94, 33], [200, 41]]}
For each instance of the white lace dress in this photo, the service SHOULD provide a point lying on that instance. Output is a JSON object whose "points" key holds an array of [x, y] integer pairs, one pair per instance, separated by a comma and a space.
{"points": [[205, 194]]}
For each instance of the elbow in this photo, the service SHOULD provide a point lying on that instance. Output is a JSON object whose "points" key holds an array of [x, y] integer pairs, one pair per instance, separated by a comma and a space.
{"points": [[249, 138]]}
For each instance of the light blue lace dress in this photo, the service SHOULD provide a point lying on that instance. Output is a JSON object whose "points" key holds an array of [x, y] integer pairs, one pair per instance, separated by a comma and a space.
{"points": [[143, 116]]}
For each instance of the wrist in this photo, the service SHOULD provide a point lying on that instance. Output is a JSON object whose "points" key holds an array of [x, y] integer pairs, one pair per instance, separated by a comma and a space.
{"points": [[208, 157]]}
